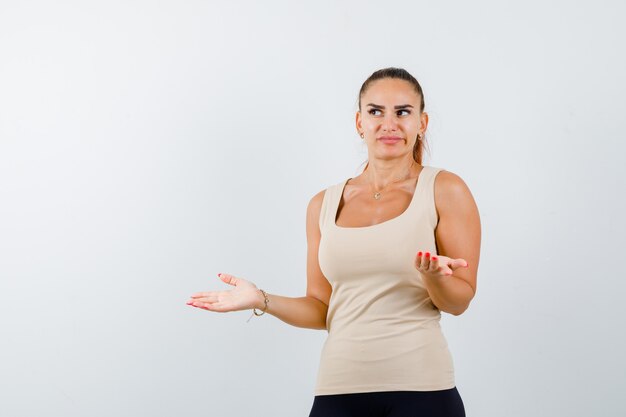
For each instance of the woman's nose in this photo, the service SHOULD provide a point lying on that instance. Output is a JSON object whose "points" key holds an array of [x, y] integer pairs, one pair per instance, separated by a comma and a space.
{"points": [[390, 122]]}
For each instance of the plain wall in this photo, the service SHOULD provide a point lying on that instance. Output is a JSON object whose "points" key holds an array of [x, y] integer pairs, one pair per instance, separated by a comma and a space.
{"points": [[147, 146]]}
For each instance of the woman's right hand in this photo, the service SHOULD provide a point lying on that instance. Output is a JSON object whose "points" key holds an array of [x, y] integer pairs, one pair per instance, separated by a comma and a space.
{"points": [[244, 296]]}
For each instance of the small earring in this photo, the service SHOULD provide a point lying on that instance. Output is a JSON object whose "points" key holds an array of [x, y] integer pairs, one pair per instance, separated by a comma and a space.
{"points": [[362, 135]]}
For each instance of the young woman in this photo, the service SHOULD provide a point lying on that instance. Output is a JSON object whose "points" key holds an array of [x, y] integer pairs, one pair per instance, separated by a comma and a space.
{"points": [[388, 250]]}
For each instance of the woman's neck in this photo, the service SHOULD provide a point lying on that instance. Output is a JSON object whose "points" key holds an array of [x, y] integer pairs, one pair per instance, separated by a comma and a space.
{"points": [[384, 172]]}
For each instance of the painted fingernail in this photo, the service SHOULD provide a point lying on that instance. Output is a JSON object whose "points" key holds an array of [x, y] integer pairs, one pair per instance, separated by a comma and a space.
{"points": [[427, 254], [419, 253], [219, 274], [434, 258]]}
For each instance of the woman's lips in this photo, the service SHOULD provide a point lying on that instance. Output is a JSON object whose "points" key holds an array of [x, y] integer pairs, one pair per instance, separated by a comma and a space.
{"points": [[390, 139]]}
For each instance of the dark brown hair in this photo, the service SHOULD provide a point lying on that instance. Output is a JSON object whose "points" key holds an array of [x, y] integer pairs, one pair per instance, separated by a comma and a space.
{"points": [[402, 74]]}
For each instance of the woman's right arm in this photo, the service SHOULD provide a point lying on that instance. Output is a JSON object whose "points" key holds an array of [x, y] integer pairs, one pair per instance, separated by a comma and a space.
{"points": [[308, 311]]}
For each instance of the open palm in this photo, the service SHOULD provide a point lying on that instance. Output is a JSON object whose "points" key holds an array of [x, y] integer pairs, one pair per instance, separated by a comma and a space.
{"points": [[438, 265], [244, 296]]}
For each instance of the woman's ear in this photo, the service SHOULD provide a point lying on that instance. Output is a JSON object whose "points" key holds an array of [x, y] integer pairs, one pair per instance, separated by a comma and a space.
{"points": [[359, 129]]}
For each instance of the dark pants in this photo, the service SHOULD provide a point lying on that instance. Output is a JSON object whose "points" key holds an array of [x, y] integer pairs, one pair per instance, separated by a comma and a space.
{"points": [[442, 403]]}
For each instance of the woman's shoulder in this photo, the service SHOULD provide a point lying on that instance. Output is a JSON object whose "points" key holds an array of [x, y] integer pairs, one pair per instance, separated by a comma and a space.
{"points": [[316, 200], [446, 179], [315, 203], [450, 189]]}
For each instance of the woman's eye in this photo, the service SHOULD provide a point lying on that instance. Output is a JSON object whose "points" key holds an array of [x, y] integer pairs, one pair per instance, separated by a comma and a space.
{"points": [[371, 111]]}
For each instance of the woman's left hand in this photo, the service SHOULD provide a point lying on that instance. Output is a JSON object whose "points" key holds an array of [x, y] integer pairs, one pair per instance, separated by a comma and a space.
{"points": [[437, 266]]}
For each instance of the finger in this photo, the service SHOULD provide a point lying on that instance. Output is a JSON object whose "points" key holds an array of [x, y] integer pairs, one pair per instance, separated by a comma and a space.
{"points": [[198, 305], [202, 305], [443, 262], [418, 260], [228, 278], [442, 265], [459, 263], [216, 307], [423, 261], [194, 303], [207, 306], [436, 265], [203, 294], [210, 299]]}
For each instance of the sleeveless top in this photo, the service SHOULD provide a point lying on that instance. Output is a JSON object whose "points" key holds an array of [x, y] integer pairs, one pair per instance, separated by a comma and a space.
{"points": [[383, 329]]}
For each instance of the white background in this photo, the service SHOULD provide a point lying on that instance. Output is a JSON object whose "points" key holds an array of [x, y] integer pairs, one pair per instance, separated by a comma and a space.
{"points": [[147, 146]]}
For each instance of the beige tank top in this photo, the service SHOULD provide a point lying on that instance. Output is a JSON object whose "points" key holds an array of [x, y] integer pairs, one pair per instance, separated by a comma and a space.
{"points": [[383, 329]]}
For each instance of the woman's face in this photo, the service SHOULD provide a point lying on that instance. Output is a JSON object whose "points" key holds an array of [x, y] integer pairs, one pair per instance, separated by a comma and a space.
{"points": [[390, 118]]}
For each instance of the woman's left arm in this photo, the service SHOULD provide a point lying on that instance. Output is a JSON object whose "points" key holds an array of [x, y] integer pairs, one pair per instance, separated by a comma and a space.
{"points": [[457, 236]]}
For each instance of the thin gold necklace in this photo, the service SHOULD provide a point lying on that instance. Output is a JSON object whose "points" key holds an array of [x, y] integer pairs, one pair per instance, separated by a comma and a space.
{"points": [[377, 194]]}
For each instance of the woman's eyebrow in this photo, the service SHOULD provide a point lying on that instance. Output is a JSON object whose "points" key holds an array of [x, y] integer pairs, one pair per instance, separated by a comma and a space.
{"points": [[378, 106]]}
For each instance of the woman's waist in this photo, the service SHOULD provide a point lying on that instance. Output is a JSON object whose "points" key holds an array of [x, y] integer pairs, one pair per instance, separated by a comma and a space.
{"points": [[412, 345], [386, 330], [378, 321]]}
